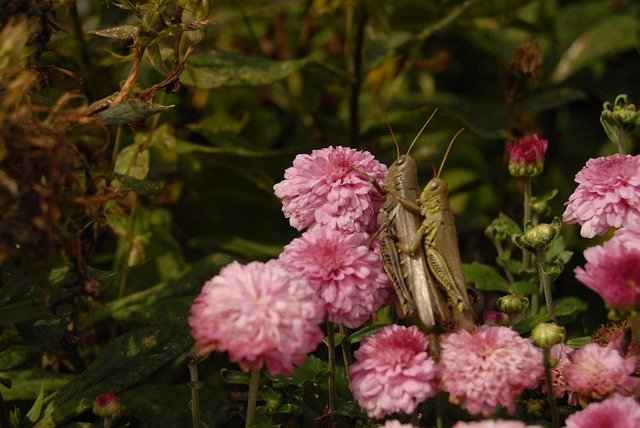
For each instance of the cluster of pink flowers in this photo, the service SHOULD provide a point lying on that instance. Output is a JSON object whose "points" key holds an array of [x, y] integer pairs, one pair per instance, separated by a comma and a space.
{"points": [[260, 313], [393, 371], [608, 195], [343, 270], [615, 412]]}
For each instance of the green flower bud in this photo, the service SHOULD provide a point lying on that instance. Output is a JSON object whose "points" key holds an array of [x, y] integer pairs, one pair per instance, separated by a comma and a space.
{"points": [[547, 334], [108, 406], [619, 118], [538, 236], [512, 304]]}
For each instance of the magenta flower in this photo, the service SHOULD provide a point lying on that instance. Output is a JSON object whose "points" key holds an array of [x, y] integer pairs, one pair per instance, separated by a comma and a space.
{"points": [[615, 412], [323, 189], [344, 271], [487, 368], [599, 371], [526, 156], [260, 313], [608, 195], [499, 423], [393, 371], [560, 354], [394, 423], [613, 271], [495, 317]]}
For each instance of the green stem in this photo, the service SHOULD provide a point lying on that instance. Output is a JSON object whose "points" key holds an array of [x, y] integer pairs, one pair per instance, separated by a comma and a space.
{"points": [[332, 373], [434, 351], [194, 384], [620, 139], [346, 354], [551, 396], [116, 146], [527, 258], [127, 254], [545, 284], [254, 384]]}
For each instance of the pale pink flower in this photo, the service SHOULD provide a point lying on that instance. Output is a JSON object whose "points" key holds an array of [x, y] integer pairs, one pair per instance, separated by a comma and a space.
{"points": [[615, 412], [487, 368], [629, 235], [599, 371], [613, 271], [526, 156], [560, 354], [260, 313], [394, 423], [608, 194], [499, 423], [344, 271], [393, 371], [324, 189]]}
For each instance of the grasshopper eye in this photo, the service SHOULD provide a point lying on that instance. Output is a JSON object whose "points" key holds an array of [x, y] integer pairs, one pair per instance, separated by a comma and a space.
{"points": [[434, 185], [399, 161]]}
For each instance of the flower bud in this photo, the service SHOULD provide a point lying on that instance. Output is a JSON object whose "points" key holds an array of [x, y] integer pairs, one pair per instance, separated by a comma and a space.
{"points": [[107, 405], [526, 156], [619, 119], [512, 304], [547, 334], [538, 236], [534, 407]]}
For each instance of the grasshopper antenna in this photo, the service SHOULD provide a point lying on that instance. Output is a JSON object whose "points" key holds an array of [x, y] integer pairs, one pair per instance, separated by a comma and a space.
{"points": [[422, 129], [448, 150], [391, 130]]}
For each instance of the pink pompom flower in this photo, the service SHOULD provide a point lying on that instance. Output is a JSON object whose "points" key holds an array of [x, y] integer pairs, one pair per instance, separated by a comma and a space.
{"points": [[260, 313], [612, 270], [394, 423], [608, 195], [393, 371], [615, 412], [344, 271], [599, 371], [526, 156], [499, 423], [324, 189], [629, 235], [560, 355], [489, 367]]}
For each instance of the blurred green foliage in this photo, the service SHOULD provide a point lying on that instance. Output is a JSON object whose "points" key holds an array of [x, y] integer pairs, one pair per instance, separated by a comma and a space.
{"points": [[120, 200]]}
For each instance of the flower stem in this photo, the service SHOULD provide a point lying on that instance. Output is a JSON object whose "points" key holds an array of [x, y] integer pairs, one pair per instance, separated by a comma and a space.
{"points": [[332, 373], [551, 396], [526, 255], [620, 139], [346, 355], [545, 285], [434, 351], [194, 384], [254, 384]]}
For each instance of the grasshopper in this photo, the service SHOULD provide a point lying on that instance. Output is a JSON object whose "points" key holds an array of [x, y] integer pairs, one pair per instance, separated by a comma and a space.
{"points": [[437, 237], [407, 270]]}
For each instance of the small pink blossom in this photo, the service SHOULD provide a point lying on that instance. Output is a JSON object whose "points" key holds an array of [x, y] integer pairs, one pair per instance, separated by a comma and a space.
{"points": [[260, 313], [599, 371], [324, 189], [394, 423], [608, 194], [615, 412], [526, 156], [613, 271], [560, 354], [344, 271], [499, 423], [393, 371], [495, 318], [489, 367], [629, 235]]}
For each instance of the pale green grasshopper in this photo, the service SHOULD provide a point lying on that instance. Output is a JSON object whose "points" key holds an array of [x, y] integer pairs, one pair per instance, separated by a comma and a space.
{"points": [[437, 237], [407, 270]]}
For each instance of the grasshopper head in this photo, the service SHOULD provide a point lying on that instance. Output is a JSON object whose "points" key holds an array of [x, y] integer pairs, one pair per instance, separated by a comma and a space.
{"points": [[435, 187], [404, 161]]}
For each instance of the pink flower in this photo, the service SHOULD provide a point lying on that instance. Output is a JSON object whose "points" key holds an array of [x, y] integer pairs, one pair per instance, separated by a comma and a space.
{"points": [[393, 371], [629, 235], [499, 423], [394, 423], [488, 367], [260, 313], [599, 371], [526, 156], [322, 189], [344, 271], [613, 271], [615, 412], [560, 354], [495, 317], [608, 194]]}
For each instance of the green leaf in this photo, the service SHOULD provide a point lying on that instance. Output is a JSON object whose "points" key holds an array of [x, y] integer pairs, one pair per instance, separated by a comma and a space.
{"points": [[130, 111], [618, 33], [36, 410], [312, 370], [527, 324], [28, 383], [212, 69], [140, 187], [16, 355], [133, 161], [568, 308], [579, 342], [505, 260], [367, 331], [524, 288], [122, 32], [123, 362], [484, 277], [235, 377], [551, 269]]}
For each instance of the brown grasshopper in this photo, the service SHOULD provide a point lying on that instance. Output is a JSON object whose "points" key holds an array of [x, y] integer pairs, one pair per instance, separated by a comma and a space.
{"points": [[437, 237], [407, 270]]}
